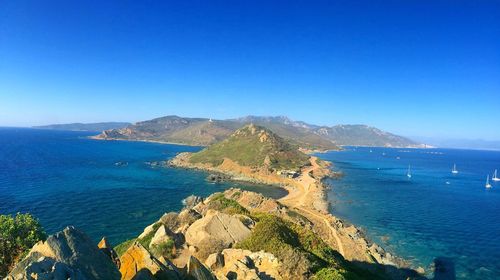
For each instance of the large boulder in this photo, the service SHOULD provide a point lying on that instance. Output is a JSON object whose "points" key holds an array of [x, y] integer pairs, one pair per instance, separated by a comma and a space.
{"points": [[69, 254], [244, 264], [217, 226], [136, 261]]}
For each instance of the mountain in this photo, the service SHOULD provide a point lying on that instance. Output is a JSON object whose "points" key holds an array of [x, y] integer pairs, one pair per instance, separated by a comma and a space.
{"points": [[85, 126], [363, 135], [202, 131], [473, 144], [253, 146]]}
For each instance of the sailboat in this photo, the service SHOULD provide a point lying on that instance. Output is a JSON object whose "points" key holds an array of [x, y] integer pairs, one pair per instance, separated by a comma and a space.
{"points": [[488, 185], [408, 173], [454, 170], [495, 178]]}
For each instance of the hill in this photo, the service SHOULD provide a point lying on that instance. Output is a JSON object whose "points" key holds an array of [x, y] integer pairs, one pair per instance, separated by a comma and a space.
{"points": [[202, 131], [85, 126], [253, 146]]}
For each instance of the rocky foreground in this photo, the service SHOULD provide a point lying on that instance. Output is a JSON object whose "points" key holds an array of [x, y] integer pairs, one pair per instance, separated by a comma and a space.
{"points": [[231, 235]]}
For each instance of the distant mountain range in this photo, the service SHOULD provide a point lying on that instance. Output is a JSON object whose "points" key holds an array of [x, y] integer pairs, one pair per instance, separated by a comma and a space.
{"points": [[203, 131], [85, 126]]}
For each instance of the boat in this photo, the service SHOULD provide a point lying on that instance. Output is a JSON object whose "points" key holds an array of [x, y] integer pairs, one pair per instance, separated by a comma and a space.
{"points": [[488, 185], [408, 173], [454, 170], [495, 178]]}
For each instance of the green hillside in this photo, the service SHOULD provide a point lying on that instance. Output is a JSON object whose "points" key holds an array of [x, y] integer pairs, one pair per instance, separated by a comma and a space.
{"points": [[253, 146]]}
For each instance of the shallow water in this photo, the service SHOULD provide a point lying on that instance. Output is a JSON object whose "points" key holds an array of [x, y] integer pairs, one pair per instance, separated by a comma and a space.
{"points": [[433, 215], [105, 188]]}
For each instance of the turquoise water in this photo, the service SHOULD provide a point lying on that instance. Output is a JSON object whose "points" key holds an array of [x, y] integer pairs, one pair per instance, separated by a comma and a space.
{"points": [[64, 179], [435, 215]]}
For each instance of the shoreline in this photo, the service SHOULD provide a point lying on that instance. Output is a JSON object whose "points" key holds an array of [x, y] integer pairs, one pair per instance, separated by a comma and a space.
{"points": [[307, 194]]}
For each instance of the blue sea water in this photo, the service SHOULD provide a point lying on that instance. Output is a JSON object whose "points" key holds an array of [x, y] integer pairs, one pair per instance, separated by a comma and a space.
{"points": [[64, 178], [435, 215]]}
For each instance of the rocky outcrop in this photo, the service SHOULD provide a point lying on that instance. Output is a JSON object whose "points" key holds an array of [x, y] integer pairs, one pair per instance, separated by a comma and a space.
{"points": [[244, 264], [69, 254], [198, 271], [108, 250], [218, 226], [136, 261]]}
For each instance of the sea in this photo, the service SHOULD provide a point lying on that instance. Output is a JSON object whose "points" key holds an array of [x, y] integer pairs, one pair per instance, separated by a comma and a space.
{"points": [[105, 188], [433, 219], [108, 188]]}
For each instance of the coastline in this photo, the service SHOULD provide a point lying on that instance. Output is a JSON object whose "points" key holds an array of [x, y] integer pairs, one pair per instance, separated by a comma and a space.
{"points": [[307, 195], [96, 137]]}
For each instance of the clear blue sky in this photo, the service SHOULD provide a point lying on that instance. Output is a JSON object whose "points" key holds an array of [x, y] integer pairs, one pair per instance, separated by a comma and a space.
{"points": [[427, 68]]}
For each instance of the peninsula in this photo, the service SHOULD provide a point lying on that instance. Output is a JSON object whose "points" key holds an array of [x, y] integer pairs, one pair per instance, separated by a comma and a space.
{"points": [[254, 153]]}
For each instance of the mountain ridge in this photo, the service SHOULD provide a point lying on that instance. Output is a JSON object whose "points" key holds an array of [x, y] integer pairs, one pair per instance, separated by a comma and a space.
{"points": [[205, 131]]}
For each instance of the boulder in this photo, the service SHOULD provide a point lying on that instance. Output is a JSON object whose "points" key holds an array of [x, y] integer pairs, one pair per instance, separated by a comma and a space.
{"points": [[216, 226], [69, 254], [160, 236], [147, 231], [191, 201], [215, 261], [137, 260], [198, 271], [244, 264]]}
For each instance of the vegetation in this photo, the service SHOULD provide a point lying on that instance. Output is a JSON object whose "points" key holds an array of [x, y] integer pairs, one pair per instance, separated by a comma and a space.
{"points": [[300, 250], [121, 248], [165, 249], [147, 239], [17, 235], [229, 206], [254, 146]]}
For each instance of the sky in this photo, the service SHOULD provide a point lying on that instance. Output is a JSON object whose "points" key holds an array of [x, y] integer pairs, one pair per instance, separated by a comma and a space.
{"points": [[423, 68]]}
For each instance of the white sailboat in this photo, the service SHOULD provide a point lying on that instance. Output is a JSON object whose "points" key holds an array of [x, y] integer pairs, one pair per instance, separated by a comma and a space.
{"points": [[488, 185], [495, 178], [408, 173], [454, 170]]}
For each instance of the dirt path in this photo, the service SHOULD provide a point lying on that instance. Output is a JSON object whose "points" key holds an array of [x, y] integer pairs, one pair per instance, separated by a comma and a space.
{"points": [[302, 197]]}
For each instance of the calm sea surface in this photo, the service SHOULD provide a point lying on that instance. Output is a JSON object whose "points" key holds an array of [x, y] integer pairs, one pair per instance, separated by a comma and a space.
{"points": [[102, 187], [433, 215]]}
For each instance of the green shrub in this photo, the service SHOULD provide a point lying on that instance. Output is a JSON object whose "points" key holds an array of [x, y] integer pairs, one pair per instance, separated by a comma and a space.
{"points": [[147, 239], [165, 249], [123, 247], [329, 274], [17, 235], [229, 206]]}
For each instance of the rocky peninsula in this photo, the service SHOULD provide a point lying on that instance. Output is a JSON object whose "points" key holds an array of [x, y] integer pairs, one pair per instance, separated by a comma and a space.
{"points": [[306, 191]]}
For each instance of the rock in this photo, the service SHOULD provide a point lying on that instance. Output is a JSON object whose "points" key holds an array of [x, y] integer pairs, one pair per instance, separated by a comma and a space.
{"points": [[244, 264], [108, 250], [191, 201], [69, 254], [137, 259], [218, 177], [254, 201], [160, 236], [217, 227], [198, 271], [147, 231], [215, 261]]}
